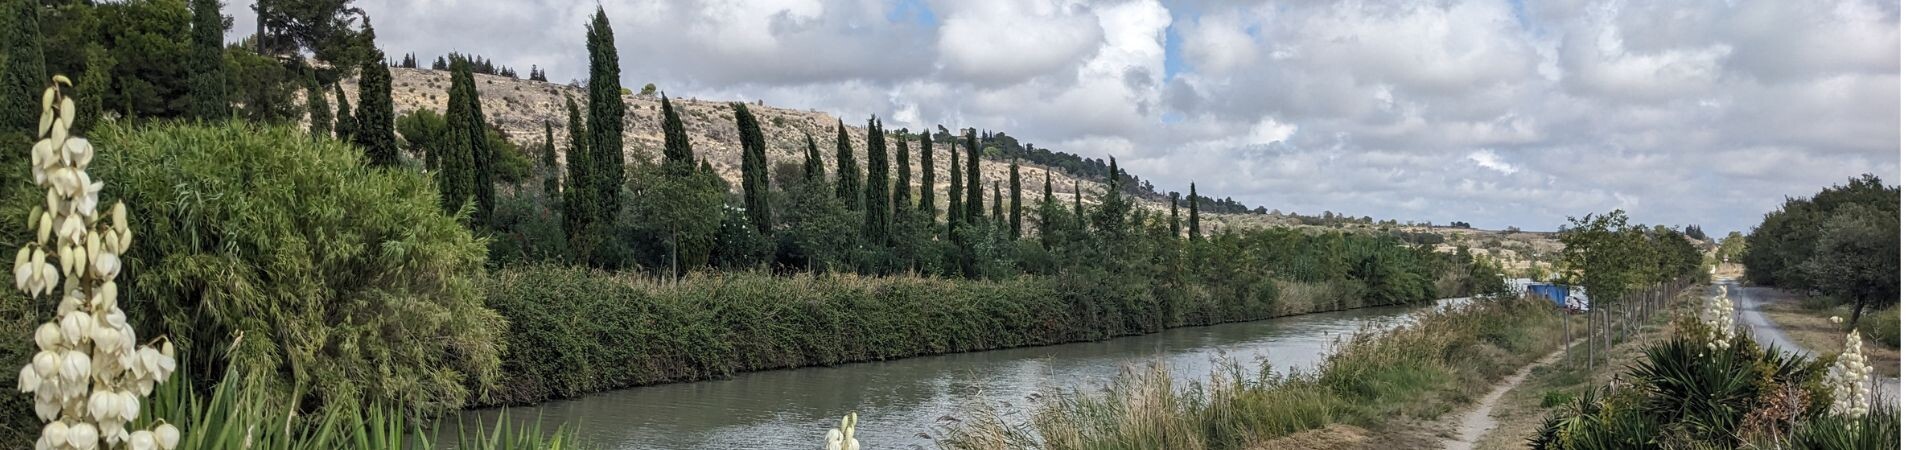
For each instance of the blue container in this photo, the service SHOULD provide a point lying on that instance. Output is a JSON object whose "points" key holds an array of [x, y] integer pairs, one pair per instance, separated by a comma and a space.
{"points": [[1556, 293]]}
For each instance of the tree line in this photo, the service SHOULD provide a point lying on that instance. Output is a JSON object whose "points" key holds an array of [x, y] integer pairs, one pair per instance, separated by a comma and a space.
{"points": [[1844, 242]]}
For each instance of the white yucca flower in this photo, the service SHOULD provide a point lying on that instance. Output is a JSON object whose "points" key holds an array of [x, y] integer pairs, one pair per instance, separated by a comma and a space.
{"points": [[1851, 392], [91, 372], [1719, 319], [842, 438]]}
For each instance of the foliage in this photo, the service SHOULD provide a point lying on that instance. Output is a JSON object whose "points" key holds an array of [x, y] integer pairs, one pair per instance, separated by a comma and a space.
{"points": [[346, 280], [343, 121], [674, 216], [605, 120], [525, 229], [1418, 370], [846, 172], [753, 170], [1843, 241], [879, 209], [455, 158], [206, 69], [373, 130], [1611, 257], [319, 114]]}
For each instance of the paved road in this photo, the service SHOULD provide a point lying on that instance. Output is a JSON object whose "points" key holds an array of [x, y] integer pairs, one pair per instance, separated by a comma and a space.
{"points": [[1747, 303]]}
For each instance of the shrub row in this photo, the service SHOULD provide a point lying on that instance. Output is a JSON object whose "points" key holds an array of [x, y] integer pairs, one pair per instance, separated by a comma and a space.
{"points": [[574, 331]]}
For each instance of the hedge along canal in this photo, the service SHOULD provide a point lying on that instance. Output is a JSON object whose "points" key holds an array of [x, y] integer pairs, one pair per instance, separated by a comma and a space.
{"points": [[636, 332]]}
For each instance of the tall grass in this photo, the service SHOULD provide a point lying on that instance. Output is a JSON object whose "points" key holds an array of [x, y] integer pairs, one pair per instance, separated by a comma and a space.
{"points": [[237, 414], [1421, 370]]}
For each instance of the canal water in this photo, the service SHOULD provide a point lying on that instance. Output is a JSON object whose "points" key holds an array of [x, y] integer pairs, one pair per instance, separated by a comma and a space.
{"points": [[902, 402]]}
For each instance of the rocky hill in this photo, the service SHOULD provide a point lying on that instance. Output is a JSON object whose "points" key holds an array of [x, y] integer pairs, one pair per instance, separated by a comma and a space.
{"points": [[520, 107]]}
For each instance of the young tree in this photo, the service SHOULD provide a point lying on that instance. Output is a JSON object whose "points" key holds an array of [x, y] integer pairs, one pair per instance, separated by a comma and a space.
{"points": [[753, 169], [549, 164], [1193, 211], [606, 117], [999, 215], [374, 127], [847, 174], [677, 157], [903, 182], [1013, 213], [1857, 258], [1079, 211], [457, 156], [207, 67], [1173, 213], [343, 121], [926, 173], [814, 167], [581, 191], [976, 200], [956, 211], [1047, 207], [319, 114], [878, 210]]}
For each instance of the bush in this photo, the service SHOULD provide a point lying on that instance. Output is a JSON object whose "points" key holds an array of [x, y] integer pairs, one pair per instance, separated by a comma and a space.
{"points": [[1882, 326], [346, 282]]}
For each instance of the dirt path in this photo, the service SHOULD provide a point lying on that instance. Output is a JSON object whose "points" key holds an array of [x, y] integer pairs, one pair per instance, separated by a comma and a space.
{"points": [[1479, 421]]}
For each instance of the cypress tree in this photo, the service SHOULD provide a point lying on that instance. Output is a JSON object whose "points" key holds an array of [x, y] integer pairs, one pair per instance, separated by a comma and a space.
{"points": [[1193, 212], [456, 157], [903, 184], [926, 173], [878, 209], [374, 116], [678, 157], [956, 212], [753, 168], [1013, 212], [999, 215], [206, 65], [343, 120], [23, 74], [1173, 213], [581, 189], [975, 197], [847, 174], [816, 169], [319, 114], [1079, 211], [1113, 173], [1046, 212], [606, 118], [549, 164]]}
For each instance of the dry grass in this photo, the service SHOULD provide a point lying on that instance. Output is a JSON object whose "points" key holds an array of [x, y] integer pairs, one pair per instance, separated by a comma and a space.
{"points": [[1806, 323]]}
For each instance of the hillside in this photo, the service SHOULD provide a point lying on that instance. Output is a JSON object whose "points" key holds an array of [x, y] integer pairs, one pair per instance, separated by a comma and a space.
{"points": [[519, 107]]}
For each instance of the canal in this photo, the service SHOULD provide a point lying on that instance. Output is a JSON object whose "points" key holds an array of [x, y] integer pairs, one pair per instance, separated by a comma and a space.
{"points": [[902, 403]]}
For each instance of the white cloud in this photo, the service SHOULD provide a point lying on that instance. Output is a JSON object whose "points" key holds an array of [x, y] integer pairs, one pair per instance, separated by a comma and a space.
{"points": [[1489, 160]]}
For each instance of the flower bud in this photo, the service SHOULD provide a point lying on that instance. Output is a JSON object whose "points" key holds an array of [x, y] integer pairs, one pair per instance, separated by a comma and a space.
{"points": [[83, 436], [103, 405], [120, 216], [141, 440], [46, 228], [47, 336], [55, 432], [67, 110], [167, 436], [46, 363]]}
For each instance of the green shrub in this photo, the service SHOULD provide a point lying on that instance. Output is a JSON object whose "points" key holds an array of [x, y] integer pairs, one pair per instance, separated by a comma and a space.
{"points": [[1882, 326], [346, 282]]}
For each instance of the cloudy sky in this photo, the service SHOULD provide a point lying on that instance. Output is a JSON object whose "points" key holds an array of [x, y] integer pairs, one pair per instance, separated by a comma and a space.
{"points": [[1494, 112]]}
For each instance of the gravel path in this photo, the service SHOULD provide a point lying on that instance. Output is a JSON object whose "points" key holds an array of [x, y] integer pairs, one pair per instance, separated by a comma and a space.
{"points": [[1478, 422], [1748, 302]]}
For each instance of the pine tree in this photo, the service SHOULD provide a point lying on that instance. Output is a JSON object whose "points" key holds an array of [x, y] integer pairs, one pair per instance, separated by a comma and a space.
{"points": [[374, 116], [343, 120], [753, 169], [976, 205], [678, 154], [580, 188], [1173, 213], [1013, 213], [903, 183], [549, 164], [456, 157], [1193, 212], [816, 169], [847, 174], [319, 114], [23, 74], [956, 211], [878, 209], [606, 118], [206, 65], [926, 173]]}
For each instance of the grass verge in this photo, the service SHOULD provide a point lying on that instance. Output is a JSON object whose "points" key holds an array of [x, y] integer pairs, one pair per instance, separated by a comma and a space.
{"points": [[1806, 322], [1372, 380]]}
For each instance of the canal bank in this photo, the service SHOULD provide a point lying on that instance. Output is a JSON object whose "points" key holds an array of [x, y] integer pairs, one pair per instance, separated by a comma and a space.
{"points": [[903, 403]]}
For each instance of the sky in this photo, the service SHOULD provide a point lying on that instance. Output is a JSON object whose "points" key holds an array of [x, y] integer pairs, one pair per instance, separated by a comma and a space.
{"points": [[1498, 112]]}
